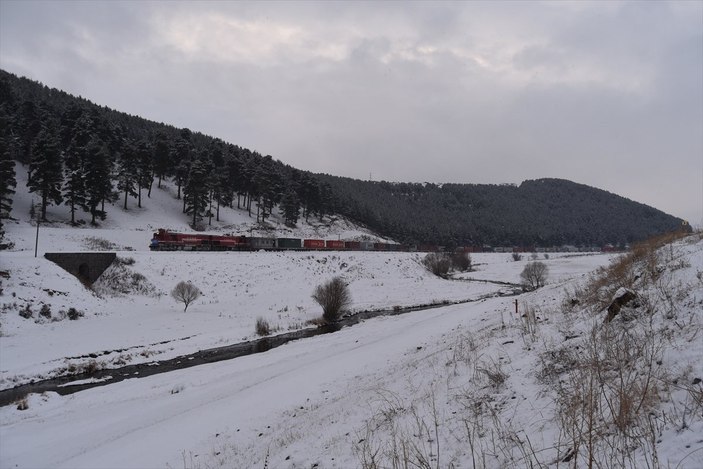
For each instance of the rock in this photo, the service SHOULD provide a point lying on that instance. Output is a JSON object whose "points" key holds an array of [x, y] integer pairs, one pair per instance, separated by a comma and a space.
{"points": [[622, 297]]}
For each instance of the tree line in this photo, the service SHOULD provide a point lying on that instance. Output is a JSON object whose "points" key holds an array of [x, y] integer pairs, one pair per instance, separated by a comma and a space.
{"points": [[543, 212], [83, 155]]}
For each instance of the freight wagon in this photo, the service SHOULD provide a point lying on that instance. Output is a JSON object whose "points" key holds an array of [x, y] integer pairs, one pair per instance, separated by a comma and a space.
{"points": [[314, 244]]}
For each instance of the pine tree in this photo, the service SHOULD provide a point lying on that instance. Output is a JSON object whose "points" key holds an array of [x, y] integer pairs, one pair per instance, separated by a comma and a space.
{"points": [[75, 132], [97, 176], [326, 201], [249, 187], [309, 192], [235, 179], [127, 171], [7, 183], [7, 167], [28, 125], [181, 160], [162, 151], [224, 192], [272, 193], [73, 119], [145, 172], [45, 174], [266, 186], [290, 204], [195, 190], [74, 190]]}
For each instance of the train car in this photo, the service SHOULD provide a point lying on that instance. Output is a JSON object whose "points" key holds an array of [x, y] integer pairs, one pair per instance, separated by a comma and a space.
{"points": [[289, 243], [257, 243], [352, 245], [366, 246], [333, 244], [380, 247], [227, 243], [314, 244]]}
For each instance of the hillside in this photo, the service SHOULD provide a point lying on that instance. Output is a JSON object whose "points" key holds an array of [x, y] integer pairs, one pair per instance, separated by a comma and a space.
{"points": [[467, 385], [82, 155], [543, 212], [132, 228]]}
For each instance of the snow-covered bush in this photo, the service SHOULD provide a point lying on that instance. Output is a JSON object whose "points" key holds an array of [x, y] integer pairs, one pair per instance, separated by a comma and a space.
{"points": [[27, 312], [534, 275], [45, 311], [334, 297], [438, 263], [262, 327], [119, 279], [461, 261], [74, 314], [99, 244]]}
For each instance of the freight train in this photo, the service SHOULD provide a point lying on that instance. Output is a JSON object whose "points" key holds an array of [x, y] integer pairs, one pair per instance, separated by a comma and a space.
{"points": [[164, 240]]}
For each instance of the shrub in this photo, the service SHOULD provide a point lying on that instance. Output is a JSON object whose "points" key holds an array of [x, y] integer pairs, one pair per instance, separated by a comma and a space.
{"points": [[534, 275], [124, 260], [119, 279], [262, 327], [73, 314], [99, 244], [334, 297], [45, 311], [27, 312], [186, 293], [438, 263], [461, 261], [517, 256]]}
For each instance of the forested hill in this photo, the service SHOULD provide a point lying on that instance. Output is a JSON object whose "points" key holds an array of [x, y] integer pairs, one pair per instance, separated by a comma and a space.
{"points": [[81, 155], [544, 212]]}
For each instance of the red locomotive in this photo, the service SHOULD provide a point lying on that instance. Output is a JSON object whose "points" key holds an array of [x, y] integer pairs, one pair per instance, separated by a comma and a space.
{"points": [[167, 241]]}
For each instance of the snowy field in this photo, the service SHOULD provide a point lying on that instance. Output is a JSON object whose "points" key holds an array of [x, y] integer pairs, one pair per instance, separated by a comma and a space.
{"points": [[456, 386]]}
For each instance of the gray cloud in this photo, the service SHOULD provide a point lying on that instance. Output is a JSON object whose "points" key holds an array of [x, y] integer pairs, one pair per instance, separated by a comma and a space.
{"points": [[606, 94]]}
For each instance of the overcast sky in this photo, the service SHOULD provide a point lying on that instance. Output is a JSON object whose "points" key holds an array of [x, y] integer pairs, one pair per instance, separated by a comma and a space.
{"points": [[601, 93]]}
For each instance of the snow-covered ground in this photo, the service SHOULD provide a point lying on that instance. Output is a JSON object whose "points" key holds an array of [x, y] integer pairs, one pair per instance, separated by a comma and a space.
{"points": [[457, 386]]}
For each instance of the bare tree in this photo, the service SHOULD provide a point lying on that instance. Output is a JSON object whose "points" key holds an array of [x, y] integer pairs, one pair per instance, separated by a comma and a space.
{"points": [[186, 293], [461, 261], [534, 275], [334, 297], [438, 263]]}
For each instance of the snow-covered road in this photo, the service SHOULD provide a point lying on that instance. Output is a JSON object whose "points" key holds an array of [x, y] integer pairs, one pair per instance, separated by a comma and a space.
{"points": [[154, 421]]}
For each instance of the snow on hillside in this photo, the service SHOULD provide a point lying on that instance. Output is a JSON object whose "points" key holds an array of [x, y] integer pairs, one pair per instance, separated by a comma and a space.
{"points": [[237, 288], [131, 229], [466, 385]]}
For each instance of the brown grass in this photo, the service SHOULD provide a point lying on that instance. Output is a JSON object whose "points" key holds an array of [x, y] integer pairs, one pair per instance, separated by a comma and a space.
{"points": [[641, 263]]}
